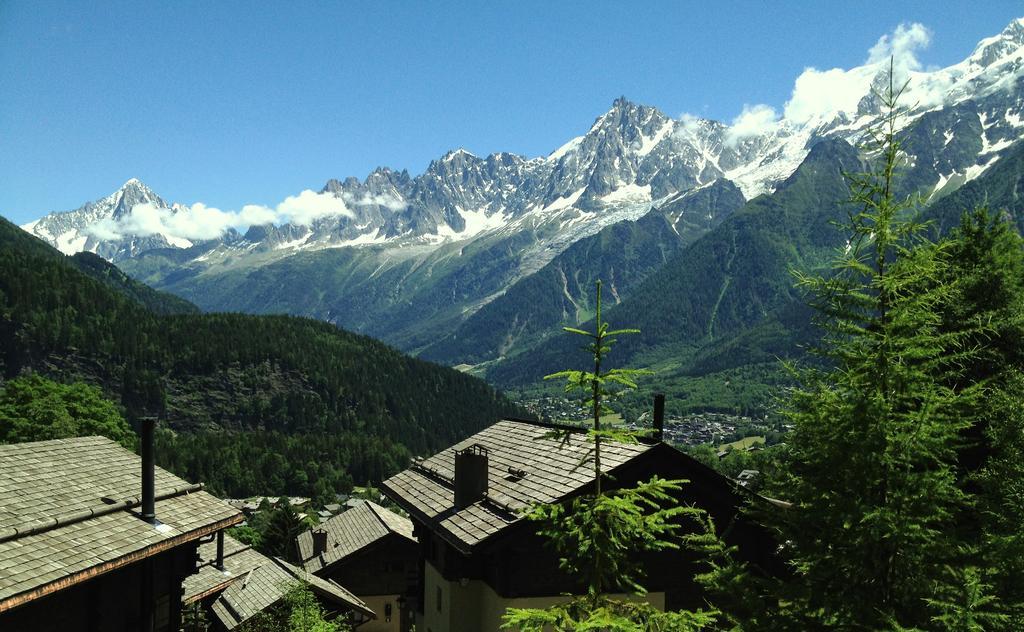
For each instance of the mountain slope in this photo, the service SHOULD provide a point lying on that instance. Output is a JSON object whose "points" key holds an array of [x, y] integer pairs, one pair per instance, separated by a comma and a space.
{"points": [[107, 273], [211, 373], [561, 293], [727, 281]]}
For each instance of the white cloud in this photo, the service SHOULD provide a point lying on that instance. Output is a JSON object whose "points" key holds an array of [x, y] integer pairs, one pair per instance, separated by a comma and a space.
{"points": [[200, 222], [387, 200], [308, 206], [901, 45], [688, 123], [754, 120], [824, 93], [818, 93]]}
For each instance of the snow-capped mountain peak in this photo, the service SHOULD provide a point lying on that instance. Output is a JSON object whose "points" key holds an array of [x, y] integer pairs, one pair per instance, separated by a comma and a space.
{"points": [[632, 157], [83, 228]]}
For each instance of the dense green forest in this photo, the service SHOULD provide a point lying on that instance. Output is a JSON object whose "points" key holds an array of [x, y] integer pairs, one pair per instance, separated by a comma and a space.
{"points": [[322, 407], [110, 275]]}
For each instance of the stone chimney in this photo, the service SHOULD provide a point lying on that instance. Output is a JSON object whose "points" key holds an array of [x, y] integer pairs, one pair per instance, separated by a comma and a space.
{"points": [[470, 475], [319, 541]]}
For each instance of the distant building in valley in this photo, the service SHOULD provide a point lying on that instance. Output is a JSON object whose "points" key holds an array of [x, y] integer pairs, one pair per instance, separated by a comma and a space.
{"points": [[93, 538], [372, 552], [480, 556]]}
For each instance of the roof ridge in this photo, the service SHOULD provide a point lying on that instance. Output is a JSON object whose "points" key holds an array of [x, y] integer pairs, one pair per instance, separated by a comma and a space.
{"points": [[376, 515], [63, 520]]}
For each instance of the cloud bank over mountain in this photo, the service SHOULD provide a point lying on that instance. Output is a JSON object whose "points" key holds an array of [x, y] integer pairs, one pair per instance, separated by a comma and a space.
{"points": [[198, 222]]}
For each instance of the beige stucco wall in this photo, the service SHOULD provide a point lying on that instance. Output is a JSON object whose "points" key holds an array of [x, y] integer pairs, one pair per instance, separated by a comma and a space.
{"points": [[377, 603], [475, 607]]}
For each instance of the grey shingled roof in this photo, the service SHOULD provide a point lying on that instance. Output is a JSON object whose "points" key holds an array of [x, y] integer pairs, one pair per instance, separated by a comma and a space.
{"points": [[239, 559], [265, 585], [352, 531], [68, 512], [552, 467]]}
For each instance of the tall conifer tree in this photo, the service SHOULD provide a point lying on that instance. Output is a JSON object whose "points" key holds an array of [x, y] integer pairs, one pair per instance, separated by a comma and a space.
{"points": [[873, 454]]}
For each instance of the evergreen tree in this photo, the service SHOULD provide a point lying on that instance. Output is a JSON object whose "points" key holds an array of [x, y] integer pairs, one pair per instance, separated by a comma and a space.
{"points": [[33, 408], [872, 471], [600, 535], [278, 531], [987, 266]]}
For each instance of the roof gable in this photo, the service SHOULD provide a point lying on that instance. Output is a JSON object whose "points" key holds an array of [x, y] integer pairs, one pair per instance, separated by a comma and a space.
{"points": [[352, 531]]}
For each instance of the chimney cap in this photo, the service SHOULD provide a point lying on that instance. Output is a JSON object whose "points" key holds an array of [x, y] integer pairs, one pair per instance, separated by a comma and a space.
{"points": [[476, 448]]}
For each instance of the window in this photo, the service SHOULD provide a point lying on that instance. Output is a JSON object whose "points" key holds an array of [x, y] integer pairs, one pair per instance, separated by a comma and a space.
{"points": [[439, 599], [162, 615]]}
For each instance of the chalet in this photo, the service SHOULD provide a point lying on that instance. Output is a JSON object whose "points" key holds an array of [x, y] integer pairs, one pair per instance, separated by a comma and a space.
{"points": [[94, 538], [372, 552], [235, 583], [479, 556]]}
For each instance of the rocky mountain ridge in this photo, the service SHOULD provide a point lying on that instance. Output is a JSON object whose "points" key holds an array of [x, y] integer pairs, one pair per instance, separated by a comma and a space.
{"points": [[409, 259]]}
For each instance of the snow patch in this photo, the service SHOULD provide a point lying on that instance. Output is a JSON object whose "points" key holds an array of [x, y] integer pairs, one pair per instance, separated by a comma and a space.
{"points": [[628, 193], [362, 240], [999, 145], [177, 242], [650, 143], [563, 202], [976, 170], [295, 243], [564, 149]]}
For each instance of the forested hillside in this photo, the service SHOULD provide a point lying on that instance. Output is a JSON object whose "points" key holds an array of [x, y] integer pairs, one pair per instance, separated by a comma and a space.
{"points": [[260, 404], [110, 275]]}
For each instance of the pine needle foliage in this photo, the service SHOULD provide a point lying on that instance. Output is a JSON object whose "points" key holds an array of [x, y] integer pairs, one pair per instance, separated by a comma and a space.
{"points": [[600, 536], [872, 473]]}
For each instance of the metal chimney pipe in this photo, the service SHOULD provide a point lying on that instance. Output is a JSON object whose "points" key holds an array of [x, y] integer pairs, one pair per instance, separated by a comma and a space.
{"points": [[659, 417], [219, 564], [148, 471]]}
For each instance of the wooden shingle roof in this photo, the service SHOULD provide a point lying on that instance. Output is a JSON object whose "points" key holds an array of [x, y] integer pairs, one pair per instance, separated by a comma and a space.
{"points": [[265, 585], [69, 512], [239, 559], [352, 531], [554, 468]]}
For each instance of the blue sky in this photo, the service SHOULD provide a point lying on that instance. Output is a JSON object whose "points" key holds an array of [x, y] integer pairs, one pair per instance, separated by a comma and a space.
{"points": [[231, 104]]}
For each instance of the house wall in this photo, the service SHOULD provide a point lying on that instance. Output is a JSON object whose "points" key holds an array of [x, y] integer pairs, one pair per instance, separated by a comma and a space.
{"points": [[379, 603], [473, 606], [112, 601], [388, 567], [380, 574]]}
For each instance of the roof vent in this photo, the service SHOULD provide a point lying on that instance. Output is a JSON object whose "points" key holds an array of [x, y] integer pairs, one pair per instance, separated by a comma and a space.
{"points": [[470, 475], [515, 474]]}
